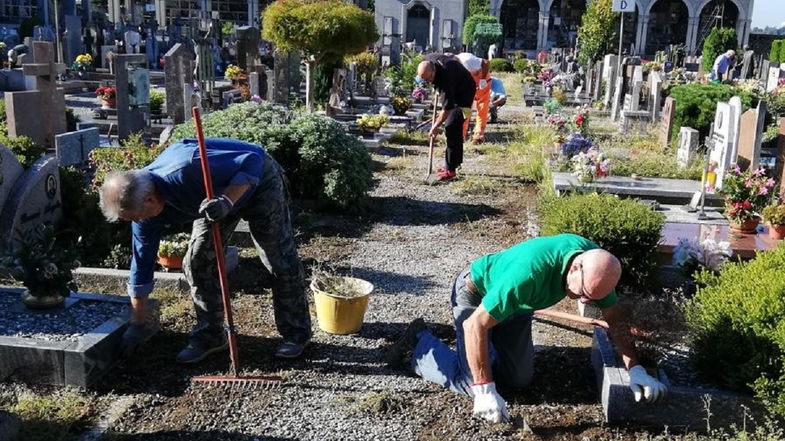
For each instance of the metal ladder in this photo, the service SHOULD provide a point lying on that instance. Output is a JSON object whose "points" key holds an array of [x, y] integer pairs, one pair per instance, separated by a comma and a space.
{"points": [[714, 21]]}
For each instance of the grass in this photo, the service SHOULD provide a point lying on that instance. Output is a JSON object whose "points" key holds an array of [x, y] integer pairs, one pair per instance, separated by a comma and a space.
{"points": [[477, 185], [51, 417], [654, 165], [513, 86], [404, 137], [380, 403]]}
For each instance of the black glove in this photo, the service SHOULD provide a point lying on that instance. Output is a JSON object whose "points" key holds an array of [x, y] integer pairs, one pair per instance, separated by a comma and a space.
{"points": [[133, 338], [216, 209]]}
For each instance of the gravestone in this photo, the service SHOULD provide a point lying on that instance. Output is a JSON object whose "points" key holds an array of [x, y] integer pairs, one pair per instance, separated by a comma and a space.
{"points": [[775, 73], [132, 80], [596, 89], [282, 77], [721, 154], [750, 137], [10, 171], [735, 104], [132, 41], [637, 85], [609, 73], [688, 145], [34, 199], [655, 94], [616, 103], [105, 50], [747, 65], [779, 167], [179, 79], [204, 70], [73, 148], [248, 47], [338, 89], [666, 123], [764, 71], [72, 39], [589, 79], [40, 113]]}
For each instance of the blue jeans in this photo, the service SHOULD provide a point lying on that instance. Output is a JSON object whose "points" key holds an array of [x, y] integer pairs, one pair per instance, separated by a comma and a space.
{"points": [[510, 348]]}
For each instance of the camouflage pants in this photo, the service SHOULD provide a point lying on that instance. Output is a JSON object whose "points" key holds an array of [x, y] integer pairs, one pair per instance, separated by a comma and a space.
{"points": [[267, 214]]}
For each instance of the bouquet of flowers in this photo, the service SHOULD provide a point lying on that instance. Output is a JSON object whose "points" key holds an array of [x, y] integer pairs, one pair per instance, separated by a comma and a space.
{"points": [[106, 93], [581, 121], [575, 144], [546, 75], [420, 93], [557, 121], [372, 122], [83, 62], [233, 72], [590, 165], [746, 193], [691, 255], [552, 106], [400, 104]]}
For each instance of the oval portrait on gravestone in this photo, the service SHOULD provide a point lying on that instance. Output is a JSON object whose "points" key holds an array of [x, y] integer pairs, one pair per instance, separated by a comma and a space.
{"points": [[51, 186], [720, 120]]}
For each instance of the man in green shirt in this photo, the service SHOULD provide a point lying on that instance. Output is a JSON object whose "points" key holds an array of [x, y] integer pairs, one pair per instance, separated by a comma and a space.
{"points": [[493, 301]]}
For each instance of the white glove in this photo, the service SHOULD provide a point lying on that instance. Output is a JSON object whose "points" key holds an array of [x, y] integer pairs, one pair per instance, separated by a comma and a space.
{"points": [[646, 387], [488, 404], [483, 83]]}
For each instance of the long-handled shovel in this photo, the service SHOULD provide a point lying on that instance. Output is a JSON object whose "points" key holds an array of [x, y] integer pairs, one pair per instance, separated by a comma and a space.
{"points": [[236, 378], [431, 139]]}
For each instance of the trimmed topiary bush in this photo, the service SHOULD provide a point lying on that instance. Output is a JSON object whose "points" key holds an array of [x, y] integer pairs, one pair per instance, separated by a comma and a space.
{"points": [[323, 161], [471, 23], [737, 322], [696, 105], [499, 65], [624, 227]]}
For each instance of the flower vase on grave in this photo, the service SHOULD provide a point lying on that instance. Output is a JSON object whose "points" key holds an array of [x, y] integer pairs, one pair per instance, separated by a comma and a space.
{"points": [[171, 262], [41, 302], [776, 232], [747, 226]]}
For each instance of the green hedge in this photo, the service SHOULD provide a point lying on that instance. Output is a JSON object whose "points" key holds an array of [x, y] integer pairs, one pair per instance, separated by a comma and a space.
{"points": [[323, 162], [624, 227], [737, 322], [696, 105], [499, 65], [719, 41], [774, 54]]}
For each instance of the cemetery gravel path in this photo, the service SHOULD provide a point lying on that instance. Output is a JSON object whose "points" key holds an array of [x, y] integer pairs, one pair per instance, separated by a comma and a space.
{"points": [[410, 241]]}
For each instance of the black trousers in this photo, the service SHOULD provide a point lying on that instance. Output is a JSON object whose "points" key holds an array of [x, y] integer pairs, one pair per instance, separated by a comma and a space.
{"points": [[453, 129]]}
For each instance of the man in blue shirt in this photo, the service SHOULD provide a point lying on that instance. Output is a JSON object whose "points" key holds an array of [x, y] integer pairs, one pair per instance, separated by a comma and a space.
{"points": [[498, 97], [249, 185], [722, 69]]}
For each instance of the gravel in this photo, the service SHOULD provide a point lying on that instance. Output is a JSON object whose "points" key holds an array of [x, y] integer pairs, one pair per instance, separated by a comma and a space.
{"points": [[66, 325]]}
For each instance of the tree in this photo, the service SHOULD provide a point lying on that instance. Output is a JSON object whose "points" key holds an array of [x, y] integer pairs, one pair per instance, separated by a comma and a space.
{"points": [[774, 55], [479, 7], [719, 41], [471, 23], [321, 30], [486, 34], [595, 35]]}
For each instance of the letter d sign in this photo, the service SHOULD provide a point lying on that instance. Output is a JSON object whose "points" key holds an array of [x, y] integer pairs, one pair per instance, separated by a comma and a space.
{"points": [[623, 5]]}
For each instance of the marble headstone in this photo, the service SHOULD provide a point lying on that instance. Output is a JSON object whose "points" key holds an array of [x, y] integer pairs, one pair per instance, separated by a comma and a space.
{"points": [[655, 94], [688, 145], [73, 148], [10, 170], [773, 80], [609, 73], [666, 122], [750, 137], [723, 139], [779, 168], [637, 85], [178, 74]]}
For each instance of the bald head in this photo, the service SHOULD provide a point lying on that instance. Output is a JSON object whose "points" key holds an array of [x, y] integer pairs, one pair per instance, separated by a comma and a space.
{"points": [[602, 271], [426, 70]]}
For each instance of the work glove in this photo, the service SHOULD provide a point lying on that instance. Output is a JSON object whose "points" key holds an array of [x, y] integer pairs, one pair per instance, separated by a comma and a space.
{"points": [[482, 84], [488, 404], [216, 209], [646, 387], [133, 338]]}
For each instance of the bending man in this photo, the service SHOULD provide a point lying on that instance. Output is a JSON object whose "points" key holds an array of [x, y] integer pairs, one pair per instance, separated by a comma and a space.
{"points": [[498, 97], [493, 301], [250, 185]]}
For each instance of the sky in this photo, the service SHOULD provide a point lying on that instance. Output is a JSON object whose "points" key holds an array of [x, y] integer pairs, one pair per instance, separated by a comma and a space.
{"points": [[768, 13]]}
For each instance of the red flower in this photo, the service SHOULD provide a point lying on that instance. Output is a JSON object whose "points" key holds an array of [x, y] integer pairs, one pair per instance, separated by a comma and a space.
{"points": [[746, 205]]}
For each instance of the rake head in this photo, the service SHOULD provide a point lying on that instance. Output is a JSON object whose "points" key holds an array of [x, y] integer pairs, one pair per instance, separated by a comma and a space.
{"points": [[251, 382]]}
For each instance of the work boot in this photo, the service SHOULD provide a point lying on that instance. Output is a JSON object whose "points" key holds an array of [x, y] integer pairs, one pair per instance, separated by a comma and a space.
{"points": [[201, 345], [401, 351], [446, 175], [290, 349]]}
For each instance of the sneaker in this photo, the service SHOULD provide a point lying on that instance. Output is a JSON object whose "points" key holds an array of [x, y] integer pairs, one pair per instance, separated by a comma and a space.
{"points": [[200, 347], [446, 175], [400, 351], [290, 349]]}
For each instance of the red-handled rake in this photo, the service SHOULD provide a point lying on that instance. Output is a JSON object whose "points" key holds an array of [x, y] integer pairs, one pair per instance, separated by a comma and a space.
{"points": [[236, 378]]}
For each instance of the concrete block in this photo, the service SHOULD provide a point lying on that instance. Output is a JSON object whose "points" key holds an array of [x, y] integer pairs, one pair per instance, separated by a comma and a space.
{"points": [[684, 407], [589, 310]]}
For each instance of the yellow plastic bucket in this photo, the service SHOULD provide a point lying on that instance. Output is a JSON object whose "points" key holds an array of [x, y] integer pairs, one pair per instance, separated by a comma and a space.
{"points": [[341, 315]]}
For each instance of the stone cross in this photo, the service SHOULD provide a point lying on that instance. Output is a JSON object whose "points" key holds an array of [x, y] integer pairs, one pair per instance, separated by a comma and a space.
{"points": [[750, 137], [688, 145], [40, 113]]}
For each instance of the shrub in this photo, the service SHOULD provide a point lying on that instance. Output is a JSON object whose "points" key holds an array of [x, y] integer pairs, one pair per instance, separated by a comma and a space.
{"points": [[323, 161], [2, 110], [499, 65], [696, 105], [402, 77], [71, 119], [774, 54], [655, 165], [471, 23], [23, 147], [479, 7], [529, 68], [156, 101], [719, 41], [134, 154], [737, 326], [596, 33], [626, 228]]}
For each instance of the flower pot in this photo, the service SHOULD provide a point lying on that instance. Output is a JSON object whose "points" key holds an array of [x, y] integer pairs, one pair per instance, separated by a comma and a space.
{"points": [[777, 232], [41, 302], [109, 103], [171, 262], [748, 226], [341, 315]]}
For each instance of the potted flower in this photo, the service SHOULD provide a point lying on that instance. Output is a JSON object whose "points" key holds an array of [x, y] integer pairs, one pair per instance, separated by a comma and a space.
{"points": [[745, 194], [589, 165], [108, 97], [400, 104], [82, 64], [575, 144], [43, 267], [774, 215], [234, 73], [419, 94], [172, 249], [372, 123]]}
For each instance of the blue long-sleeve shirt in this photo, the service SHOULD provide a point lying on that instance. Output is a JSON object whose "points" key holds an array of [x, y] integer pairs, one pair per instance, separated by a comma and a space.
{"points": [[177, 175]]}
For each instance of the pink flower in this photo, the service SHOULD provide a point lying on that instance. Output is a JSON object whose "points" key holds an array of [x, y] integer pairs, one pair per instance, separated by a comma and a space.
{"points": [[749, 183], [763, 191], [770, 183], [759, 172], [737, 169]]}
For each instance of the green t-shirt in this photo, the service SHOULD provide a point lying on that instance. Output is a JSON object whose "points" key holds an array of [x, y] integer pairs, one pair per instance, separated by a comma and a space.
{"points": [[529, 276]]}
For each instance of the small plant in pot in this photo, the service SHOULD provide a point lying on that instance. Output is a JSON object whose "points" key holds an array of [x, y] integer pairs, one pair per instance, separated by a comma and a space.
{"points": [[400, 104], [372, 123], [745, 194], [156, 102], [43, 266], [172, 249], [774, 215]]}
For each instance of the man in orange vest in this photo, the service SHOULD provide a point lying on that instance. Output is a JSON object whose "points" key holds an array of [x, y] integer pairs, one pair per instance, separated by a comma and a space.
{"points": [[478, 67]]}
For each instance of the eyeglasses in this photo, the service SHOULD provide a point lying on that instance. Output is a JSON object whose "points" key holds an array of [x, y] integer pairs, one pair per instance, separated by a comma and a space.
{"points": [[583, 291]]}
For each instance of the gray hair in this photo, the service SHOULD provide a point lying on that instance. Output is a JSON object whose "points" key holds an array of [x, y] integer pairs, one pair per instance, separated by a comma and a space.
{"points": [[124, 192]]}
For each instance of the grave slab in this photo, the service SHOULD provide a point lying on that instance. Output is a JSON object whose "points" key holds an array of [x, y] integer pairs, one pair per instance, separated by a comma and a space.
{"points": [[684, 406], [664, 191], [80, 362], [745, 246]]}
